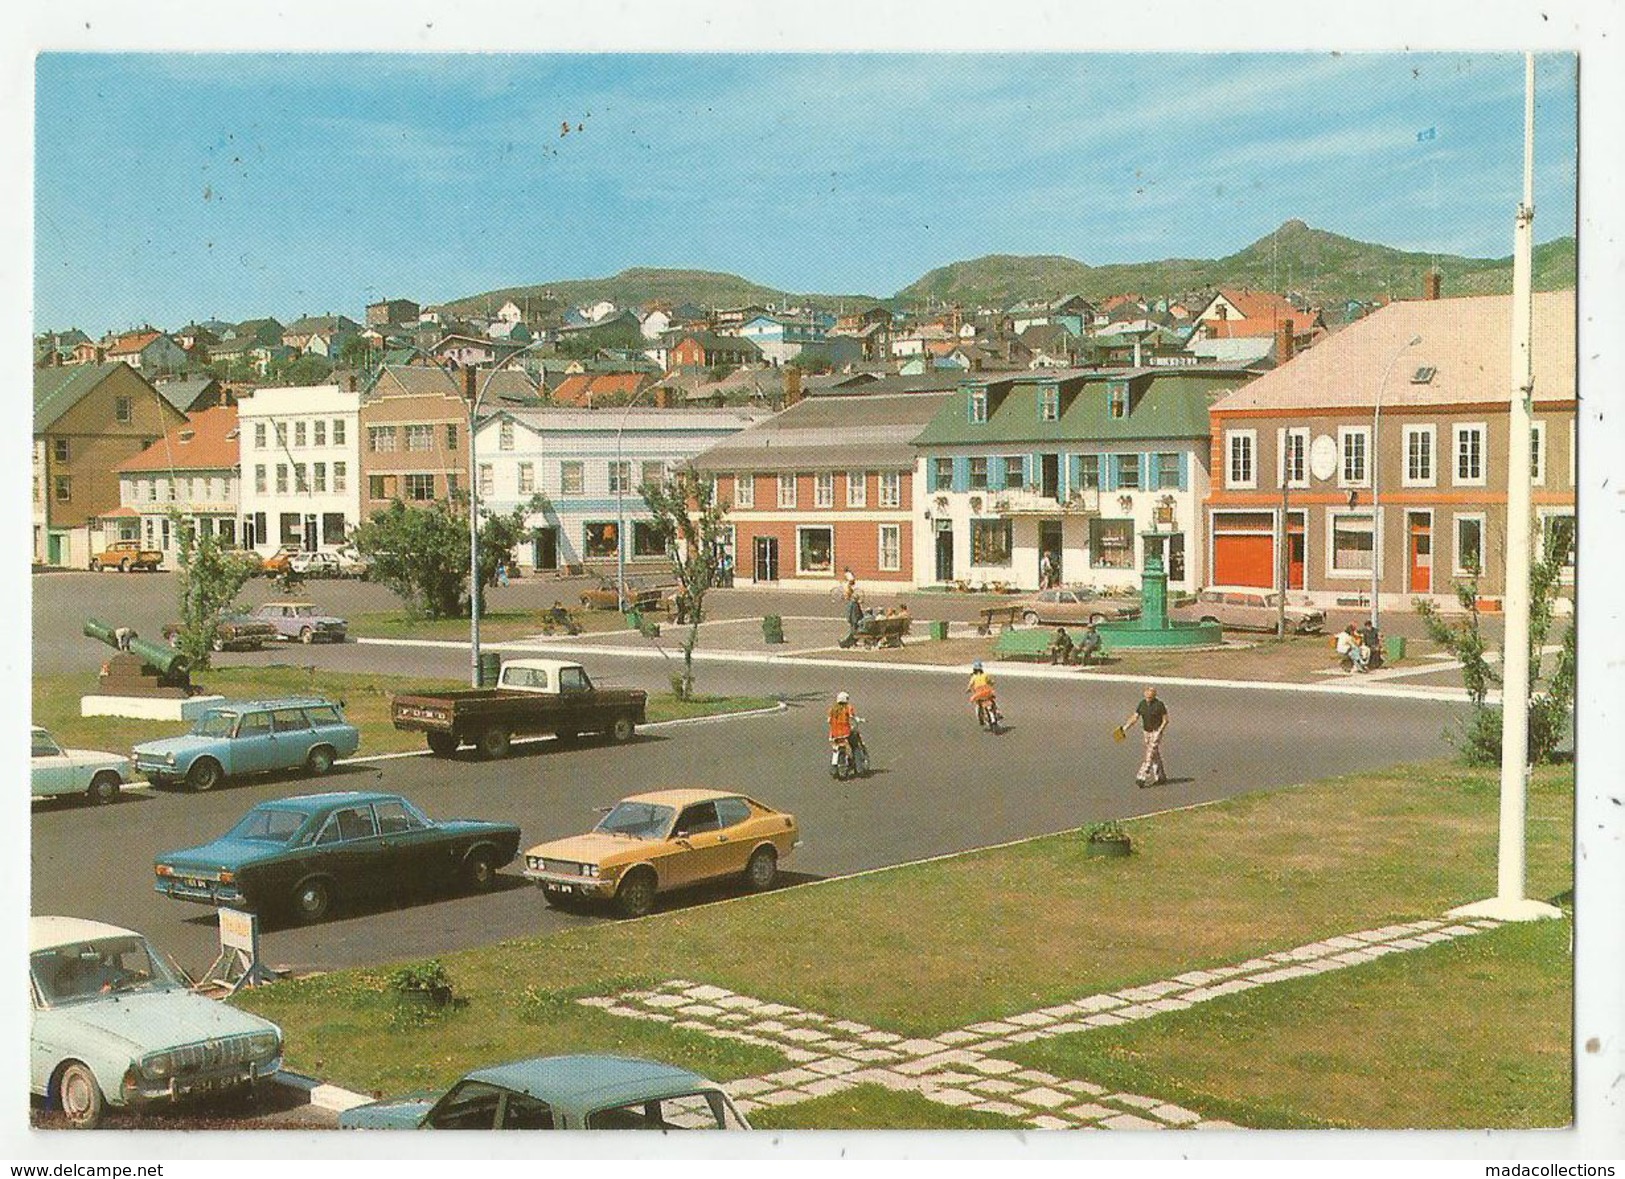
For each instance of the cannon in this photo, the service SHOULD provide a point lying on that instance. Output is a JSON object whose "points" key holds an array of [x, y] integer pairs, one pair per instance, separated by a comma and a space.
{"points": [[141, 667]]}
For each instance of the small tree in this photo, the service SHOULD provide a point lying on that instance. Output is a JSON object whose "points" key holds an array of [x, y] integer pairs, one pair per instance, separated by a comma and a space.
{"points": [[692, 525], [210, 577], [421, 553], [1549, 705]]}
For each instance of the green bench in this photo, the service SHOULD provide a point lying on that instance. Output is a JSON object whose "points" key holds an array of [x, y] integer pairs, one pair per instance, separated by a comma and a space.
{"points": [[1030, 644]]}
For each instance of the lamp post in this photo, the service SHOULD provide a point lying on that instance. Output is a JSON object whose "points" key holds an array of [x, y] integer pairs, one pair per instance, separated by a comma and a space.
{"points": [[1376, 504], [620, 504]]}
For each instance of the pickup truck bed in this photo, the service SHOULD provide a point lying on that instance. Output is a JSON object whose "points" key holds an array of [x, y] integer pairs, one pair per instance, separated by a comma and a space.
{"points": [[489, 718]]}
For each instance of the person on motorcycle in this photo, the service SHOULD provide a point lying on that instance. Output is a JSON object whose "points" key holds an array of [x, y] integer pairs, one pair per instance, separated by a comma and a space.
{"points": [[983, 696], [843, 728]]}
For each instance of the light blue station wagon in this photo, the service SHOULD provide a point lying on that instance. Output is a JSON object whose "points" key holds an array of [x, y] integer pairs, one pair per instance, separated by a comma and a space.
{"points": [[251, 737]]}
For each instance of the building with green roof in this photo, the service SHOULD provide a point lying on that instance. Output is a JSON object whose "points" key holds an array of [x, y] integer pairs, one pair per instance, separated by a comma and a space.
{"points": [[1093, 468]]}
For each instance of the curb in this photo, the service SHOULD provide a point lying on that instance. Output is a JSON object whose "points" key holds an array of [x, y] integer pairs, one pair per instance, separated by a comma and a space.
{"points": [[320, 1093]]}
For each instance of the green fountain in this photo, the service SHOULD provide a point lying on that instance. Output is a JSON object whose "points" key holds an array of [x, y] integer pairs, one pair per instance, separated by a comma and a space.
{"points": [[1152, 628]]}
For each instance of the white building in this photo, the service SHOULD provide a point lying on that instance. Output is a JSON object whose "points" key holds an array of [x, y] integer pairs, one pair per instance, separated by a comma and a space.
{"points": [[589, 464], [301, 460]]}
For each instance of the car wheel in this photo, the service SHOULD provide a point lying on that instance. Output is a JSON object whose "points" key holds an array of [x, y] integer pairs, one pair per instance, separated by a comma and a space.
{"points": [[104, 788], [306, 635], [442, 744], [312, 899], [479, 870], [95, 565], [204, 775], [1210, 618], [1096, 618], [622, 729], [1030, 617], [124, 565], [636, 896], [79, 1096], [319, 762], [763, 869], [494, 743]]}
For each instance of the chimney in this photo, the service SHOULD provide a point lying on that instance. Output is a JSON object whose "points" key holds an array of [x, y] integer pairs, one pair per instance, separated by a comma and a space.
{"points": [[792, 386], [1431, 284], [1136, 351], [1283, 341], [352, 382], [471, 387]]}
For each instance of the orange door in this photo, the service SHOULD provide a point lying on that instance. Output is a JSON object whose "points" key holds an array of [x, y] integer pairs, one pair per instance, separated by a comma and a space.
{"points": [[1421, 548], [1244, 559]]}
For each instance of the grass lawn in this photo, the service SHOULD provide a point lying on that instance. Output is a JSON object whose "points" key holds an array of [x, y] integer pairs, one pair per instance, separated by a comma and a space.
{"points": [[926, 948], [1312, 1047], [366, 700], [496, 626]]}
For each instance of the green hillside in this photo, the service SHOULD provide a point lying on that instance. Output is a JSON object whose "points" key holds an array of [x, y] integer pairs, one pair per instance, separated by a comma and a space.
{"points": [[645, 284]]}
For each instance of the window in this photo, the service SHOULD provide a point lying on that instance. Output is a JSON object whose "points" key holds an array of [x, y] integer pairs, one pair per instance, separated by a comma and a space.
{"points": [[1557, 536], [338, 476], [990, 542], [1128, 471], [289, 720], [857, 489], [1351, 547], [1418, 456], [620, 477], [653, 473], [60, 449], [647, 540], [380, 439], [978, 407], [334, 528], [732, 811], [944, 468], [1015, 470], [505, 436], [824, 490], [282, 478], [891, 547], [259, 435], [394, 818], [280, 429], [420, 437], [419, 487], [815, 550], [1240, 448], [300, 483], [1168, 472], [598, 539], [451, 435], [1117, 399], [320, 476], [1469, 543], [338, 431], [1470, 454], [122, 410], [744, 490], [787, 491], [1295, 457], [1111, 544], [1089, 471], [487, 484], [527, 478], [1537, 454], [891, 489], [1049, 404], [571, 478], [64, 489], [293, 530], [299, 433], [380, 487], [978, 474], [320, 429], [1355, 445], [259, 478]]}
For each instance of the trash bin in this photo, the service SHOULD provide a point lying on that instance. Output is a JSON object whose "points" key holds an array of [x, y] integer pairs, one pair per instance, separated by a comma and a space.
{"points": [[1393, 648], [939, 629], [490, 668], [634, 620], [772, 628]]}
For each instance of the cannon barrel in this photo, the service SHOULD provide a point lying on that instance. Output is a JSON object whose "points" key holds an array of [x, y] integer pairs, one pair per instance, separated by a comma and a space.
{"points": [[162, 656], [95, 628]]}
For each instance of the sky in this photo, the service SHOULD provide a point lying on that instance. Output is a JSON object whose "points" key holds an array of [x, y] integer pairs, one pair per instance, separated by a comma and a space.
{"points": [[171, 187]]}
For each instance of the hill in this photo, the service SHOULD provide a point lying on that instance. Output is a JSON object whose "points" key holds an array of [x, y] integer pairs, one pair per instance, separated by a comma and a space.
{"points": [[643, 284], [1324, 267]]}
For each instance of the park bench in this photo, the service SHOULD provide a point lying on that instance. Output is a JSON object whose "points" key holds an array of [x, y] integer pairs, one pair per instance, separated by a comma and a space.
{"points": [[1035, 645], [1009, 614]]}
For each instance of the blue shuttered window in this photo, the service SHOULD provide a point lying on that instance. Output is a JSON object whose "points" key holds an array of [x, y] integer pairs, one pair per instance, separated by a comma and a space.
{"points": [[1184, 472], [995, 473], [1151, 467]]}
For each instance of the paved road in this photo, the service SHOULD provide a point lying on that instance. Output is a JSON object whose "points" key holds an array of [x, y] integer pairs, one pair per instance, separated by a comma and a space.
{"points": [[942, 786]]}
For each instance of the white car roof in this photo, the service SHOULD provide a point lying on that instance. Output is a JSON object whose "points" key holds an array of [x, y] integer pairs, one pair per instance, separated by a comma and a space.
{"points": [[45, 933], [553, 665]]}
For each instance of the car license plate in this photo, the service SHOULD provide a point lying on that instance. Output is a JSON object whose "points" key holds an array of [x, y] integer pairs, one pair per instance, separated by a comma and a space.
{"points": [[561, 888], [193, 883]]}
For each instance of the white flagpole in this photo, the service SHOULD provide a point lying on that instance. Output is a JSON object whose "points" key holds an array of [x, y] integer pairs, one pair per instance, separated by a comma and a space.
{"points": [[1509, 903]]}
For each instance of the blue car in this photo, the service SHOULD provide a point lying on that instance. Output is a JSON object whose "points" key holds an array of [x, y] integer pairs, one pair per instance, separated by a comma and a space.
{"points": [[251, 737]]}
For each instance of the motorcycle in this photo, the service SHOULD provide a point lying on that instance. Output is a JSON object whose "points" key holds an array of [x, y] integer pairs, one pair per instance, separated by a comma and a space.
{"points": [[988, 715], [848, 757]]}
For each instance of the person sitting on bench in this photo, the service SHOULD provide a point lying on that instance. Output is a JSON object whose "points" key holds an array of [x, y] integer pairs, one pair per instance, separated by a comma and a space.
{"points": [[1060, 649], [1089, 645]]}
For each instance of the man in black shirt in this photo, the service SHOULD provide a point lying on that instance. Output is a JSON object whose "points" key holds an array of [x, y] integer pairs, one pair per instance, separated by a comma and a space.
{"points": [[1151, 715]]}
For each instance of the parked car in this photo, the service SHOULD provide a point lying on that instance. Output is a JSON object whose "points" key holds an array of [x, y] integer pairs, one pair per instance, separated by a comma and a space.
{"points": [[561, 1093], [352, 563], [236, 632], [280, 561], [301, 621], [650, 599], [56, 771], [532, 697], [1053, 607], [317, 564], [651, 843], [115, 1023], [302, 853], [125, 555], [1241, 607], [251, 737]]}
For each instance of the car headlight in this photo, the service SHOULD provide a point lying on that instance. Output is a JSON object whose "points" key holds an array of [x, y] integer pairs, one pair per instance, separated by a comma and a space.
{"points": [[533, 862], [169, 758], [163, 870], [157, 1065], [589, 869], [227, 877], [262, 1046]]}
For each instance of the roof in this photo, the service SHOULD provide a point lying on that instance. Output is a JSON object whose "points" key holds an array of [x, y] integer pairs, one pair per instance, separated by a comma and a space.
{"points": [[315, 802], [47, 932], [565, 418], [584, 388], [1166, 403], [1468, 342], [592, 1081], [133, 341], [681, 795], [284, 702], [58, 389], [932, 382], [860, 430], [183, 394], [205, 442]]}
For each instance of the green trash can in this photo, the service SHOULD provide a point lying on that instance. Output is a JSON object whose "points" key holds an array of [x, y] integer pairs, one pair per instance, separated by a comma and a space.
{"points": [[772, 628], [939, 629], [490, 668], [1393, 648], [634, 620]]}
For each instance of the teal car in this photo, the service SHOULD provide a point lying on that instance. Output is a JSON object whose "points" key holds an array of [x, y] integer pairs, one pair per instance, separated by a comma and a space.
{"points": [[561, 1093], [251, 737], [115, 1023]]}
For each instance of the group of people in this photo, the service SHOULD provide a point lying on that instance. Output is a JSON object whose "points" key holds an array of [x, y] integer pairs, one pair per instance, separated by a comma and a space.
{"points": [[1360, 646], [1064, 650]]}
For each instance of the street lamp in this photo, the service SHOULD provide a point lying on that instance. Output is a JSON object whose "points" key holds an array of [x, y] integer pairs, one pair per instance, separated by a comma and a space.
{"points": [[1376, 504], [620, 503]]}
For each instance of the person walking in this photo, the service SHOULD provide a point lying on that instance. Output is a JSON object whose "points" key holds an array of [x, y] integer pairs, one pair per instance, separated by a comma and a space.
{"points": [[1151, 715]]}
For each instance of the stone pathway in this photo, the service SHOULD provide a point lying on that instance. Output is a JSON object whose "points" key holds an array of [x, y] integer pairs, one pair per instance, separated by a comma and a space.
{"points": [[961, 1067]]}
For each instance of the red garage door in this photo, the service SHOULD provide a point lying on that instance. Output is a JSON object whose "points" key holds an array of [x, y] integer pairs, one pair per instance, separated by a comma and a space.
{"points": [[1244, 559]]}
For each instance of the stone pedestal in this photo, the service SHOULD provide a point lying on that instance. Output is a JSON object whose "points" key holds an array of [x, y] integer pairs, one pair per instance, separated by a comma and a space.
{"points": [[166, 708]]}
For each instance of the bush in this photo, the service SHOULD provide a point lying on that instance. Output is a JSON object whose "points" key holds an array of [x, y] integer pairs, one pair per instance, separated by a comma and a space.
{"points": [[1479, 739], [422, 979], [1109, 832]]}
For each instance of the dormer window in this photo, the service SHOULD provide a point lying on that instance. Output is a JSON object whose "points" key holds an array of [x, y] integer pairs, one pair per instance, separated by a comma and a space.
{"points": [[1423, 375], [187, 435], [978, 407], [1049, 403], [1117, 399]]}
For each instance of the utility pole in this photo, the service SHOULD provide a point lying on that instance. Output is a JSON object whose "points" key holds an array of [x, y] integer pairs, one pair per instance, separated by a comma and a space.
{"points": [[1283, 560]]}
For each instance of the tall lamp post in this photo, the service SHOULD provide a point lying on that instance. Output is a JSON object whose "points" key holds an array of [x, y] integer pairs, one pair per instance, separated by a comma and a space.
{"points": [[1376, 467], [620, 503]]}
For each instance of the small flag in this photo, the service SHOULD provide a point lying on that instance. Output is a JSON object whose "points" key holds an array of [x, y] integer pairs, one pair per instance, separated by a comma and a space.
{"points": [[1424, 136]]}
